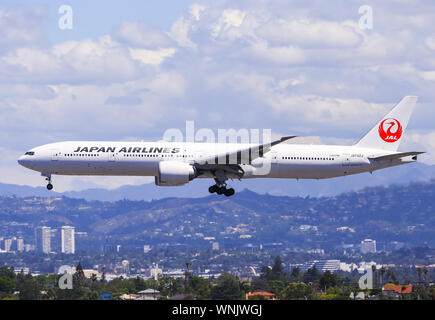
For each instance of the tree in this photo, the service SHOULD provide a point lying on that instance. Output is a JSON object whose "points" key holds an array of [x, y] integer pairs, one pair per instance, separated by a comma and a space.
{"points": [[311, 275], [259, 285], [265, 272], [201, 287], [7, 272], [187, 275], [297, 291], [419, 272], [425, 271], [7, 284], [169, 286], [103, 276], [382, 272], [79, 275], [93, 277], [277, 272], [228, 288], [295, 272], [328, 280], [29, 289]]}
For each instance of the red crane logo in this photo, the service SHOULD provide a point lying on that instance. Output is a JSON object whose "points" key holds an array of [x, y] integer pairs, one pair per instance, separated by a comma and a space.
{"points": [[390, 130]]}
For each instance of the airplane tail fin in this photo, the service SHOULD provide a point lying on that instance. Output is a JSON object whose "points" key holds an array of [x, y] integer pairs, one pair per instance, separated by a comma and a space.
{"points": [[388, 132]]}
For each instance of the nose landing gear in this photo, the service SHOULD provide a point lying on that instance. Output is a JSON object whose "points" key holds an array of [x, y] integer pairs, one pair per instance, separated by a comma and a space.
{"points": [[48, 179]]}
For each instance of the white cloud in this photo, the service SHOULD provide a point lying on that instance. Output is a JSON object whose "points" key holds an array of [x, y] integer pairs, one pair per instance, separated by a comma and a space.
{"points": [[151, 56], [99, 61], [196, 10], [279, 55], [306, 33], [229, 18], [138, 34], [180, 33], [20, 26]]}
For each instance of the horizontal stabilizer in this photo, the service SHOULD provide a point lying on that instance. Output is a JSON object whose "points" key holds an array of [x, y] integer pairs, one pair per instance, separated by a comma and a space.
{"points": [[396, 156]]}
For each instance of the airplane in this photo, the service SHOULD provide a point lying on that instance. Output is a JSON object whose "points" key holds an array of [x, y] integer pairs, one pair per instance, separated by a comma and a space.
{"points": [[177, 163]]}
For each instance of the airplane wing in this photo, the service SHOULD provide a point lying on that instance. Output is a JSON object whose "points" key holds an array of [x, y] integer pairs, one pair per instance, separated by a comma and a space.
{"points": [[242, 156], [395, 156]]}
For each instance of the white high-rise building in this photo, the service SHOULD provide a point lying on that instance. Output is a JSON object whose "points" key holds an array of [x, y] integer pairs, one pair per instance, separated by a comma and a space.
{"points": [[43, 239], [368, 246], [68, 240], [8, 244], [20, 244]]}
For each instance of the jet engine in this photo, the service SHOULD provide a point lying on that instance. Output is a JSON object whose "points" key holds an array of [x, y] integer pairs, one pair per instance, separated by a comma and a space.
{"points": [[172, 173]]}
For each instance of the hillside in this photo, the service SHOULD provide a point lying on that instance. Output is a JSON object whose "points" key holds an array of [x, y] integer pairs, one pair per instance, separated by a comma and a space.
{"points": [[395, 213], [280, 187]]}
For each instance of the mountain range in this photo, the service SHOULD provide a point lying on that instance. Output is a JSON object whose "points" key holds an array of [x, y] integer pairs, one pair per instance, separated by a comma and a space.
{"points": [[403, 213], [280, 187]]}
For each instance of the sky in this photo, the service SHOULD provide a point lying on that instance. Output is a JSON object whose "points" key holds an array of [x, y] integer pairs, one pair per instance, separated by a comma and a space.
{"points": [[130, 70]]}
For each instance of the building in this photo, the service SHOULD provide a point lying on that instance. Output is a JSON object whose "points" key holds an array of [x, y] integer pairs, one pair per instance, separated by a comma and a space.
{"points": [[20, 245], [125, 267], [68, 240], [215, 246], [148, 294], [266, 295], [321, 265], [8, 245], [320, 252], [43, 239], [156, 272], [368, 246], [397, 290], [146, 248]]}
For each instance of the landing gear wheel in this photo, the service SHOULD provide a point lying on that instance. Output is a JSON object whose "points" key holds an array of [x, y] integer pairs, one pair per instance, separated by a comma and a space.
{"points": [[221, 190], [229, 192], [213, 189], [48, 179]]}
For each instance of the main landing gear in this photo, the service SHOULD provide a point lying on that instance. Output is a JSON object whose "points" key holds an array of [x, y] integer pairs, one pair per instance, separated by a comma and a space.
{"points": [[221, 186], [221, 190], [48, 179]]}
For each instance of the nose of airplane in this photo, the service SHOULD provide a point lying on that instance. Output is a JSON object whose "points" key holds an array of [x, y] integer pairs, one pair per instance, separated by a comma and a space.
{"points": [[21, 160]]}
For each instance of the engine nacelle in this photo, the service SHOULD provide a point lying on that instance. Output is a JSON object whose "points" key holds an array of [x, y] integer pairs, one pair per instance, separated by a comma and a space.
{"points": [[172, 173]]}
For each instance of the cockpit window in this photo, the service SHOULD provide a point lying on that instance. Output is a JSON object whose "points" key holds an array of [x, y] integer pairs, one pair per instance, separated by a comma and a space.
{"points": [[29, 153]]}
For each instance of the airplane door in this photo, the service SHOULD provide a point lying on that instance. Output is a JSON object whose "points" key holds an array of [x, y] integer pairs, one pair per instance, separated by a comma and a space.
{"points": [[55, 155], [346, 160], [198, 155], [273, 157], [112, 163], [112, 156]]}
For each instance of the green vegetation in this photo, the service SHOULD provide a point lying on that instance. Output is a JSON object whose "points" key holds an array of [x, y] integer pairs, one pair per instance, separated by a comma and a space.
{"points": [[295, 285]]}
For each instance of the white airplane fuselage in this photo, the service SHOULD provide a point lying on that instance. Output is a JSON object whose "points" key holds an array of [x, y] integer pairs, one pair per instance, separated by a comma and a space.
{"points": [[143, 158]]}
